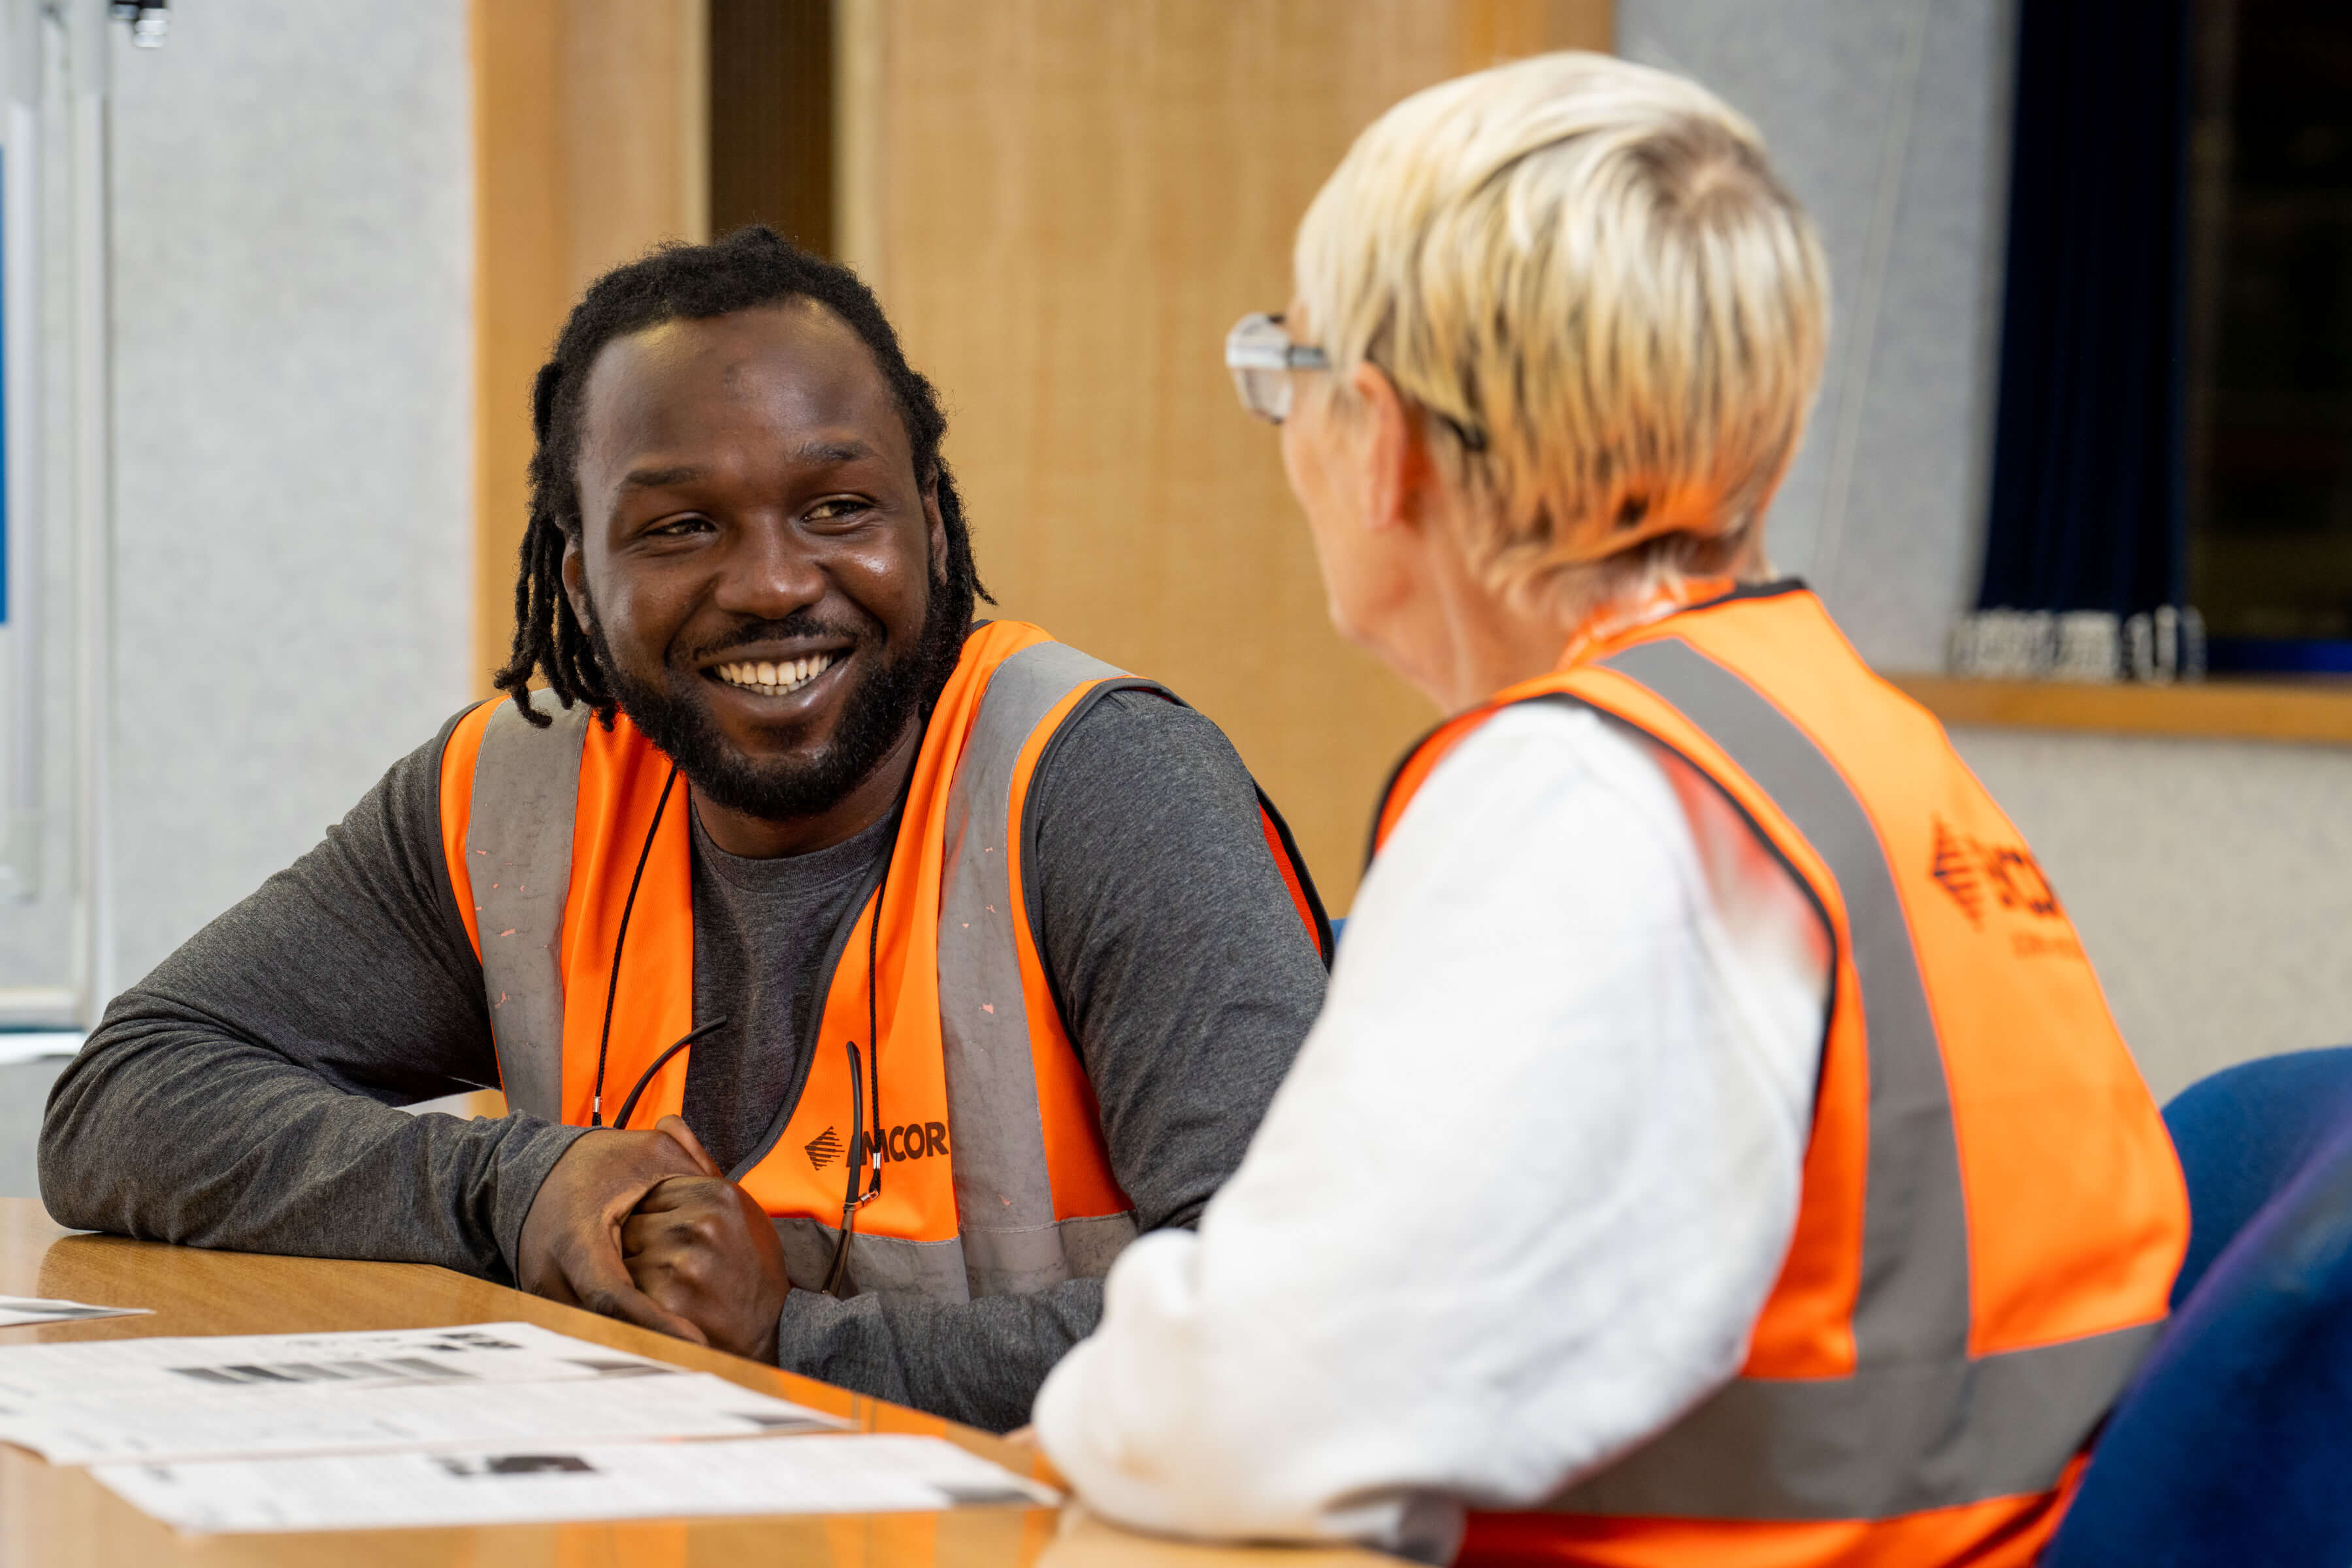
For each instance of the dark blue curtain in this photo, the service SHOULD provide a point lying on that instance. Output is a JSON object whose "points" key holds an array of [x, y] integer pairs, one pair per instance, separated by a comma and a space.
{"points": [[2089, 477]]}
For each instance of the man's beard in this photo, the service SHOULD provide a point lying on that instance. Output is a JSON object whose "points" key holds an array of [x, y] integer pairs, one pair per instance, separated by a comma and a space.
{"points": [[897, 687]]}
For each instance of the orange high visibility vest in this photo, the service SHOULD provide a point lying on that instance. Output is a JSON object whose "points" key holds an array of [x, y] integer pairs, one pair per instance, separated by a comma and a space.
{"points": [[995, 1179], [1992, 1214]]}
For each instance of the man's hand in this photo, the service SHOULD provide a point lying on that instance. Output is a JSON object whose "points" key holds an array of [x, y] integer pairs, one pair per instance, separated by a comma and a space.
{"points": [[702, 1248], [571, 1246]]}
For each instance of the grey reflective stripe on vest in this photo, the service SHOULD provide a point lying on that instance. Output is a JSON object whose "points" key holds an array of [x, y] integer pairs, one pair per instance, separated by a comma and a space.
{"points": [[1004, 1190], [887, 1264], [934, 1268], [518, 859], [1920, 1424]]}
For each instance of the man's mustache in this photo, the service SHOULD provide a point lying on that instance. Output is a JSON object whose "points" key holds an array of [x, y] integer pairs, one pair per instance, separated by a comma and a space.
{"points": [[801, 623]]}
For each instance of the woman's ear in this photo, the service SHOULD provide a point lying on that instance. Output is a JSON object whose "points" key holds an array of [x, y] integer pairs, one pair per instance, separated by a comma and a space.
{"points": [[1392, 447]]}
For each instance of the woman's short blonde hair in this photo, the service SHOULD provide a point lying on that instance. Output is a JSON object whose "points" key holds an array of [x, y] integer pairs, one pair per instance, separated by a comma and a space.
{"points": [[1586, 274]]}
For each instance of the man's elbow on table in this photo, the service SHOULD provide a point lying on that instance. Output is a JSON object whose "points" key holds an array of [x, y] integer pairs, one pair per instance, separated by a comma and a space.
{"points": [[73, 1154]]}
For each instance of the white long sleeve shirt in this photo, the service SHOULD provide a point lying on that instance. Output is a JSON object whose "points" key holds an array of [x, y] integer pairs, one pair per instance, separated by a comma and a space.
{"points": [[1525, 1192]]}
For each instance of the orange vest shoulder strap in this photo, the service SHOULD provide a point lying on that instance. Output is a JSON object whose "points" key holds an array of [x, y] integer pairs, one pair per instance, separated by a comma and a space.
{"points": [[1293, 866], [1060, 1212], [508, 792], [458, 754], [1094, 680], [1033, 1139], [989, 928], [1413, 769]]}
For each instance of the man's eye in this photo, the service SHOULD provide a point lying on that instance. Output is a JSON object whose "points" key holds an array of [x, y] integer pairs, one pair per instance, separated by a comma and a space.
{"points": [[838, 509], [675, 527]]}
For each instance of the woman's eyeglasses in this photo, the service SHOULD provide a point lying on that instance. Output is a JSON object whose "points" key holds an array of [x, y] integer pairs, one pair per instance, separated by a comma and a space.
{"points": [[1261, 356]]}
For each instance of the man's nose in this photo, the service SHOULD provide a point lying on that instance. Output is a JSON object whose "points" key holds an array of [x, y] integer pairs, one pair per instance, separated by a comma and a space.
{"points": [[769, 572]]}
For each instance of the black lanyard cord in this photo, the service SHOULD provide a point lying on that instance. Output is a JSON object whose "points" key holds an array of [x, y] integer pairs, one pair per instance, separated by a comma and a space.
{"points": [[646, 1077], [850, 1200], [865, 1148], [613, 989], [873, 1013]]}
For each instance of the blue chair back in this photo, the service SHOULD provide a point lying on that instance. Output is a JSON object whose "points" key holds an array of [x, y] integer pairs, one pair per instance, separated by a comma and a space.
{"points": [[2243, 1135], [2234, 1442]]}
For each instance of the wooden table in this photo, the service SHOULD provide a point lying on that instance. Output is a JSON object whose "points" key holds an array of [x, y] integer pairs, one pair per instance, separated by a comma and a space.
{"points": [[58, 1514]]}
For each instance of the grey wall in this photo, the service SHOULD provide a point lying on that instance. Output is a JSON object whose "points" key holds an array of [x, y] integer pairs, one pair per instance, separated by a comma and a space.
{"points": [[2211, 881], [293, 239], [1889, 121], [24, 1091]]}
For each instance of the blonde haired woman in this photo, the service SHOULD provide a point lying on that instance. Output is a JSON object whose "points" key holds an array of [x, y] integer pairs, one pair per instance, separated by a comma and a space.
{"points": [[1715, 1146]]}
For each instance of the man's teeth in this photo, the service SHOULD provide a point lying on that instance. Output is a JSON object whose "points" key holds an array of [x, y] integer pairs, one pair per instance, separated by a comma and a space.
{"points": [[776, 679]]}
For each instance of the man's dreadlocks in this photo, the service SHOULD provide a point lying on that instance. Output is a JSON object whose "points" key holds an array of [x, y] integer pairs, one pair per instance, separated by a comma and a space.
{"points": [[749, 268]]}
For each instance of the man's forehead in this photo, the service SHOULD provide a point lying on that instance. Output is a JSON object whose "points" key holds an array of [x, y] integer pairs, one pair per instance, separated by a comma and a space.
{"points": [[794, 366]]}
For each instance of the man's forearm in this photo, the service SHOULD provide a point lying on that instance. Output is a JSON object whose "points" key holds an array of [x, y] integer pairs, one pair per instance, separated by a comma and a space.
{"points": [[975, 1362], [242, 1095], [168, 1130]]}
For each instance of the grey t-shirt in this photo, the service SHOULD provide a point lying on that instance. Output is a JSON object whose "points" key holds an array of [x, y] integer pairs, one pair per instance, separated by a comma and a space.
{"points": [[241, 1095], [760, 929]]}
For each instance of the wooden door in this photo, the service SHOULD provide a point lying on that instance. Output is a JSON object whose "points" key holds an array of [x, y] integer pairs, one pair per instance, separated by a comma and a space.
{"points": [[589, 148], [1065, 205]]}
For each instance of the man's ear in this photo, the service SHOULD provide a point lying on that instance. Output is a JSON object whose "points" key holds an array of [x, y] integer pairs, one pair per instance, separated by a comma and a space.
{"points": [[1394, 454], [939, 528], [575, 578]]}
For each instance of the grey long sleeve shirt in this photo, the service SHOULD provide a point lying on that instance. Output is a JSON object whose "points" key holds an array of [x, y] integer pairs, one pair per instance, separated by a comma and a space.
{"points": [[243, 1095]]}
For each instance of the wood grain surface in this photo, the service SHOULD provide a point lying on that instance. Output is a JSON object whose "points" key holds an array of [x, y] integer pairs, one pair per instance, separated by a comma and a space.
{"points": [[58, 1515], [590, 147], [1065, 205]]}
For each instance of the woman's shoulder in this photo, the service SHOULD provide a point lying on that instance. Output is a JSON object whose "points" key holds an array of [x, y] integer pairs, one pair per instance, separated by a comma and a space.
{"points": [[1538, 795], [1544, 759]]}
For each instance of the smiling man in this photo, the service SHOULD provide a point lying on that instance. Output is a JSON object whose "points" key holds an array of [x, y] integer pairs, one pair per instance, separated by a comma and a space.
{"points": [[861, 979]]}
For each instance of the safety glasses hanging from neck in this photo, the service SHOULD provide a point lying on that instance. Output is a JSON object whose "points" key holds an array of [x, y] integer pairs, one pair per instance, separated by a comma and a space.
{"points": [[865, 1145]]}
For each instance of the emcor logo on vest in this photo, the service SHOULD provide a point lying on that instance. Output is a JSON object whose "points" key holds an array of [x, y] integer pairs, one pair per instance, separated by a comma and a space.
{"points": [[1966, 868], [914, 1140]]}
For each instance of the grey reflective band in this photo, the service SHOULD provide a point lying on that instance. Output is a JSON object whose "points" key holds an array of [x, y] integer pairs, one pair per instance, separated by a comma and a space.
{"points": [[518, 854], [942, 1270], [1919, 1424], [518, 859], [1004, 1190], [888, 1264], [1914, 1302], [1886, 1441]]}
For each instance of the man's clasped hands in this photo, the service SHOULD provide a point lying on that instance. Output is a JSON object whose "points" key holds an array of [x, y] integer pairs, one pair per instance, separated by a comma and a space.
{"points": [[644, 1226]]}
